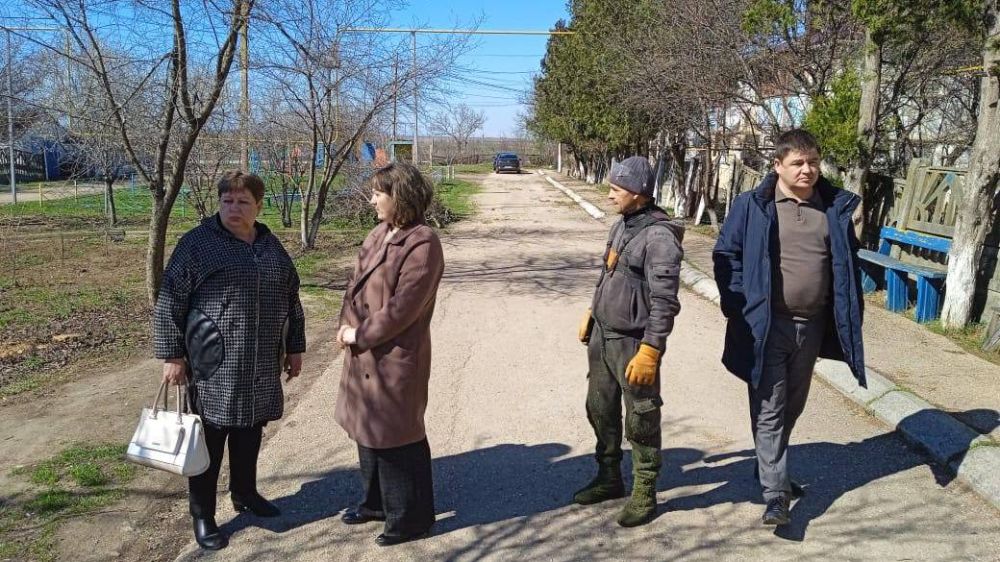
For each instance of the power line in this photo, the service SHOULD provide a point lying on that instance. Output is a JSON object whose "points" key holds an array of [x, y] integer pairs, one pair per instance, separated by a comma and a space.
{"points": [[492, 72], [494, 104], [487, 96], [500, 87], [538, 56], [453, 31]]}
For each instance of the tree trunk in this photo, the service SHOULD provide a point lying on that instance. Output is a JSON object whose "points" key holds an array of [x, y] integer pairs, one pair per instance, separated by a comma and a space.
{"points": [[159, 220], [109, 195], [155, 250], [677, 156], [871, 82], [288, 195], [978, 200], [306, 200], [715, 169]]}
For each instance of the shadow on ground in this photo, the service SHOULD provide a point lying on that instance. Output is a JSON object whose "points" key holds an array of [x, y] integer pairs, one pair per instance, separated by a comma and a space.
{"points": [[828, 470], [510, 482]]}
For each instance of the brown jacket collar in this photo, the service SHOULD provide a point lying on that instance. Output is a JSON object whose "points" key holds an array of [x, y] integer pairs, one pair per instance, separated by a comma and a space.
{"points": [[378, 241], [400, 236]]}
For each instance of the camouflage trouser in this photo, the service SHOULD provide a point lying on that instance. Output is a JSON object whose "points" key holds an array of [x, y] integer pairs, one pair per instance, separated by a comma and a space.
{"points": [[608, 355]]}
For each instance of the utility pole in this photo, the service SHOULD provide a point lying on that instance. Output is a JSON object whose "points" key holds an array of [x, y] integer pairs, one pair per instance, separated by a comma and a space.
{"points": [[245, 89], [416, 107], [10, 120], [395, 94], [10, 103], [69, 82]]}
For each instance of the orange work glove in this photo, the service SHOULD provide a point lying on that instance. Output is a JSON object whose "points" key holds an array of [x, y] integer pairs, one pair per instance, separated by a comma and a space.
{"points": [[585, 325], [641, 369]]}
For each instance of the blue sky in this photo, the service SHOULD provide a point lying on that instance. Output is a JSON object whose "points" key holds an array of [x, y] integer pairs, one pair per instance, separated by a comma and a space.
{"points": [[496, 73], [503, 63]]}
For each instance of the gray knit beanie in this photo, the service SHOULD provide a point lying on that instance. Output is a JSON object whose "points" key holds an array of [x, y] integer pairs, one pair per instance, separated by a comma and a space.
{"points": [[633, 174]]}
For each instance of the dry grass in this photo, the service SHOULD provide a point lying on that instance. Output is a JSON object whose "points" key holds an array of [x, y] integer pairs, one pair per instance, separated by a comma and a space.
{"points": [[64, 298]]}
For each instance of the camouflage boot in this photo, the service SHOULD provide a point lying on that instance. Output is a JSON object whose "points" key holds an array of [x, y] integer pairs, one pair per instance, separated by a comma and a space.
{"points": [[641, 507], [607, 485]]}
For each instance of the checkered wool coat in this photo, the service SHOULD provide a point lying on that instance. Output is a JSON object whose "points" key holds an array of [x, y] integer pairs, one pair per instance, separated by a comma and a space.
{"points": [[232, 309]]}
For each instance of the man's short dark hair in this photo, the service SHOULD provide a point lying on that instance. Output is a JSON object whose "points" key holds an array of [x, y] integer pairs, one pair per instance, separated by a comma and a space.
{"points": [[242, 181], [795, 139]]}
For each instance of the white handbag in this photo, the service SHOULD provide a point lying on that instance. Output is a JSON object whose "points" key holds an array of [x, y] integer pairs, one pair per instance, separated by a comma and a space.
{"points": [[170, 441]]}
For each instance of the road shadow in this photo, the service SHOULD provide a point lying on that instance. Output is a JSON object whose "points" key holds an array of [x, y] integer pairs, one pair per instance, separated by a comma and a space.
{"points": [[472, 488], [511, 481], [827, 470]]}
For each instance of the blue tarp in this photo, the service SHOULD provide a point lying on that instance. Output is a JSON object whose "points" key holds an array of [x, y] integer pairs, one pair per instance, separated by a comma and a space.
{"points": [[368, 152]]}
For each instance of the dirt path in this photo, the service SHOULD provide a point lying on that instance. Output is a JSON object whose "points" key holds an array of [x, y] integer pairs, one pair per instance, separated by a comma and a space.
{"points": [[511, 443]]}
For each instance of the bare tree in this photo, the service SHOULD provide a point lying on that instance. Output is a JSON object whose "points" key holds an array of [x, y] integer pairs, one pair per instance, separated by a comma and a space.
{"points": [[217, 151], [178, 84], [459, 123], [93, 146], [337, 84], [95, 153], [26, 81], [288, 153]]}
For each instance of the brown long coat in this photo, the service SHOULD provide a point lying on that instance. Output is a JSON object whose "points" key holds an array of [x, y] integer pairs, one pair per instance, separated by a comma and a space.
{"points": [[390, 300]]}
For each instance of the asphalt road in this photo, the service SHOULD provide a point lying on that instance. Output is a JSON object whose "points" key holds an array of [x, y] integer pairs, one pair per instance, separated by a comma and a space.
{"points": [[511, 443]]}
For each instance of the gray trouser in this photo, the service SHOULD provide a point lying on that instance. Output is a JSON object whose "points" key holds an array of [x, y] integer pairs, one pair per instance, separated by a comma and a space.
{"points": [[778, 401], [609, 355]]}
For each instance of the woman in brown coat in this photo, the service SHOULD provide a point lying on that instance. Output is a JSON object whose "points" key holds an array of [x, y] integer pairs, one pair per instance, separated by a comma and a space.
{"points": [[385, 328]]}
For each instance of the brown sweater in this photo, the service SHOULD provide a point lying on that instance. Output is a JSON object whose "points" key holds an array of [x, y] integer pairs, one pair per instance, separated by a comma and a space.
{"points": [[801, 284]]}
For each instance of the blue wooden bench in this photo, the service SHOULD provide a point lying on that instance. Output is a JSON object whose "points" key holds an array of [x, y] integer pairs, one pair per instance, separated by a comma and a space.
{"points": [[929, 279]]}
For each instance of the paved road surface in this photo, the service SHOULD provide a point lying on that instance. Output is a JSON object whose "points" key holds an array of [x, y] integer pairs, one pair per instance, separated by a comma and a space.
{"points": [[511, 442]]}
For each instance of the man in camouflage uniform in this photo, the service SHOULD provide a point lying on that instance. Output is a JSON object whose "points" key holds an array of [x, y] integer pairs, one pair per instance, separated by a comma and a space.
{"points": [[626, 333]]}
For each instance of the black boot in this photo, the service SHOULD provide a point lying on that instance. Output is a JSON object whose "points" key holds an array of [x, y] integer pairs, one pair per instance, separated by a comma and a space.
{"points": [[607, 485], [256, 504], [243, 452], [208, 535]]}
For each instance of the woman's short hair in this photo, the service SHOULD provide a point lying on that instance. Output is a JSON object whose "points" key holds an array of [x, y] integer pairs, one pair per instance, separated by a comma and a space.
{"points": [[411, 192], [240, 181]]}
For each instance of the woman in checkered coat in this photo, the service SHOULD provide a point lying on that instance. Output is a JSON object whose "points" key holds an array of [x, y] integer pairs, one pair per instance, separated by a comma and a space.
{"points": [[385, 328], [228, 318]]}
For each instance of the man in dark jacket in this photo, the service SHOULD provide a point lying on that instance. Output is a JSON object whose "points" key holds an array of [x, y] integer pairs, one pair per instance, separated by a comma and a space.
{"points": [[789, 283], [626, 333]]}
